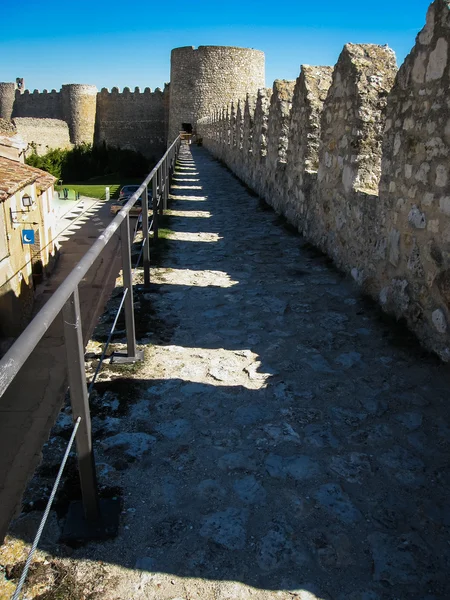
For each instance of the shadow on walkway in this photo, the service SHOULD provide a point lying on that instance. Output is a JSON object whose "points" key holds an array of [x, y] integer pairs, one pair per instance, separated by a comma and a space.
{"points": [[284, 434]]}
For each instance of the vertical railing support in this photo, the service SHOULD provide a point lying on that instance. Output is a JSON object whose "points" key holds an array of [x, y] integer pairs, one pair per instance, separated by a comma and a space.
{"points": [[166, 183], [128, 284], [160, 191], [80, 405], [133, 355], [155, 206], [145, 234]]}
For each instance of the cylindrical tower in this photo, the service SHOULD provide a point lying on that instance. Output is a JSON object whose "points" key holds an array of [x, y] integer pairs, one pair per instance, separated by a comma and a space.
{"points": [[209, 78], [7, 95], [79, 108]]}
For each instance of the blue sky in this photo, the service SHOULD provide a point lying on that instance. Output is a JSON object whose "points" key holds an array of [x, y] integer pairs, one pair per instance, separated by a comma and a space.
{"points": [[128, 43]]}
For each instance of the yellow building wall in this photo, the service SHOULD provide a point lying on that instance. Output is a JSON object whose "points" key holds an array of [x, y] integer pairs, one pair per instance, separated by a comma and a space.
{"points": [[16, 267]]}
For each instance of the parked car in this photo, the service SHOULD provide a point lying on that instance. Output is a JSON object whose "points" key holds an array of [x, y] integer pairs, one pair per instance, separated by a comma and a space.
{"points": [[117, 205], [127, 190], [124, 195]]}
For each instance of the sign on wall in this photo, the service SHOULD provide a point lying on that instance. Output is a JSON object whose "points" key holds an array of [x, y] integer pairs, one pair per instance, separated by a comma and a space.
{"points": [[27, 236]]}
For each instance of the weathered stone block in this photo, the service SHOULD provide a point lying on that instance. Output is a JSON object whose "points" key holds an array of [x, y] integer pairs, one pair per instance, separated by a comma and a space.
{"points": [[415, 169]]}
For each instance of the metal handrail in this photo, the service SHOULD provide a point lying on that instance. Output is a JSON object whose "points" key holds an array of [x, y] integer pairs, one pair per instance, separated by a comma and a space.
{"points": [[15, 357], [66, 300]]}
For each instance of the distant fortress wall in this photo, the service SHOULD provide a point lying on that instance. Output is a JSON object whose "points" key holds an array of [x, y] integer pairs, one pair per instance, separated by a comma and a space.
{"points": [[44, 134], [78, 113], [37, 105], [202, 80], [135, 120], [7, 96]]}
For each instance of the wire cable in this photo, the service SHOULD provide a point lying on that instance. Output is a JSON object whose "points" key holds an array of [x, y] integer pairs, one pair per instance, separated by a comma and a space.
{"points": [[46, 513]]}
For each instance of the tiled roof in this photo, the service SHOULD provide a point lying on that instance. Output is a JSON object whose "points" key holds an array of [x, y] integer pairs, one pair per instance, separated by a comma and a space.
{"points": [[15, 176]]}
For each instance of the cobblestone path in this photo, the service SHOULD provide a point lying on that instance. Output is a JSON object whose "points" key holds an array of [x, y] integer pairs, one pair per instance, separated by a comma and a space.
{"points": [[288, 441]]}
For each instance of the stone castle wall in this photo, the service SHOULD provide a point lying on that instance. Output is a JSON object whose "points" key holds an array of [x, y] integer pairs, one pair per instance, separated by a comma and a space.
{"points": [[44, 134], [210, 77], [38, 105], [79, 114], [79, 104], [415, 185], [201, 80], [357, 158], [132, 120], [7, 97]]}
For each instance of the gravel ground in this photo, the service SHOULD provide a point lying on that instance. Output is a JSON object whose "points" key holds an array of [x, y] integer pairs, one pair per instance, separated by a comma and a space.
{"points": [[283, 438]]}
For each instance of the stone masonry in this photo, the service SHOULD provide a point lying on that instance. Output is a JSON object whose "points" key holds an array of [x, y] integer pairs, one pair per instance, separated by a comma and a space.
{"points": [[302, 158], [352, 125], [279, 442], [415, 186], [202, 80], [366, 176], [277, 140], [259, 140], [210, 77]]}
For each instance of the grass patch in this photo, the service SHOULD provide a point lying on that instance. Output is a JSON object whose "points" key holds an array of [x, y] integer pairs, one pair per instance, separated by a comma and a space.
{"points": [[92, 191], [164, 233], [95, 187]]}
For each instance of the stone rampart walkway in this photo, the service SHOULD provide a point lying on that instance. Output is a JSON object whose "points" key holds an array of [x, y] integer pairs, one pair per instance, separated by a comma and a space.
{"points": [[287, 442]]}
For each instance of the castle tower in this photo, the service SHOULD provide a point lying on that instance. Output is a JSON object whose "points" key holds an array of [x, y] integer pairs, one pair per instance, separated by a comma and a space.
{"points": [[7, 95], [79, 107], [208, 78]]}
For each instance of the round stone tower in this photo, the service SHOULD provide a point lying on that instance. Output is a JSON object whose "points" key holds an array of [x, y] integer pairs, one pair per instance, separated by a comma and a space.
{"points": [[7, 96], [79, 107], [207, 78]]}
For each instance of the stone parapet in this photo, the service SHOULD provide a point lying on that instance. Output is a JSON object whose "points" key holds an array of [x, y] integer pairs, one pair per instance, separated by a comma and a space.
{"points": [[302, 158], [277, 142], [352, 124], [361, 168], [415, 187]]}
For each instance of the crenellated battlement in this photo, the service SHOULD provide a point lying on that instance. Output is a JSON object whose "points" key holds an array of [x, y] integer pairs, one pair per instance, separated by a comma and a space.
{"points": [[356, 157], [82, 114], [127, 91]]}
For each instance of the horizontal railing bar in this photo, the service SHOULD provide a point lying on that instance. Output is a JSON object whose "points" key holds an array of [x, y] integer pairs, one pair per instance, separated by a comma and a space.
{"points": [[16, 356]]}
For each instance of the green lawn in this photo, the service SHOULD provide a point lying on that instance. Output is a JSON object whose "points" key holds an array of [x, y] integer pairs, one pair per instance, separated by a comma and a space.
{"points": [[95, 188]]}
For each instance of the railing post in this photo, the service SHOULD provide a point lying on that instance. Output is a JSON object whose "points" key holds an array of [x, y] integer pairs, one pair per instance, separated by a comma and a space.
{"points": [[132, 354], [146, 253], [80, 405], [155, 206], [160, 190], [128, 284], [166, 183]]}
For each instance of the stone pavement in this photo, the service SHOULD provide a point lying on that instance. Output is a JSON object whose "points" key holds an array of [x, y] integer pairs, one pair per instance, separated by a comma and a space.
{"points": [[283, 439]]}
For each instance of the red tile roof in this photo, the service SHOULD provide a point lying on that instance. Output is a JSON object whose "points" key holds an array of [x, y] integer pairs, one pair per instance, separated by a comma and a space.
{"points": [[15, 176]]}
